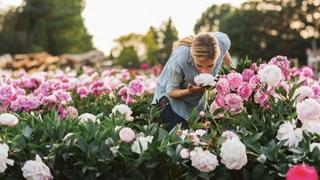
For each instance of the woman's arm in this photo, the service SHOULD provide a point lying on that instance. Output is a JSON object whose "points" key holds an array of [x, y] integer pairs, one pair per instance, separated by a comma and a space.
{"points": [[227, 60], [179, 93]]}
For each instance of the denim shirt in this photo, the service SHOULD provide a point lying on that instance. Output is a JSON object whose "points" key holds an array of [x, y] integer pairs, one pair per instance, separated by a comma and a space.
{"points": [[180, 71]]}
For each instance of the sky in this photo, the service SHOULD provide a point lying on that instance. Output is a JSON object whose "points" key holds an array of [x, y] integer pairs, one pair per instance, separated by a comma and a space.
{"points": [[109, 19]]}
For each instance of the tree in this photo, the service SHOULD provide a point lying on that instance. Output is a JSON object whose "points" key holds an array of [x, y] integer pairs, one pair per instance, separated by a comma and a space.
{"points": [[154, 47], [265, 28], [169, 35], [151, 42], [128, 58], [129, 50], [55, 26], [210, 19]]}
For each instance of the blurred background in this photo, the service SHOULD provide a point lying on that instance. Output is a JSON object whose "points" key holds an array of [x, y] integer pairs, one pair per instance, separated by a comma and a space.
{"points": [[46, 34]]}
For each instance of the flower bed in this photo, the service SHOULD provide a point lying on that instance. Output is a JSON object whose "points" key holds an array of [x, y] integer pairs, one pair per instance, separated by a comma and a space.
{"points": [[259, 121]]}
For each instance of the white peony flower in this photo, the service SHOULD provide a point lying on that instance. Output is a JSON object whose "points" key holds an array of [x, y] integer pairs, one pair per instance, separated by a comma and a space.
{"points": [[34, 170], [311, 127], [86, 117], [288, 133], [200, 132], [4, 148], [270, 74], [204, 161], [184, 153], [141, 144], [126, 135], [194, 138], [182, 133], [204, 79], [314, 145], [124, 110], [262, 158], [230, 135], [303, 92], [308, 110], [114, 150], [8, 119], [233, 153]]}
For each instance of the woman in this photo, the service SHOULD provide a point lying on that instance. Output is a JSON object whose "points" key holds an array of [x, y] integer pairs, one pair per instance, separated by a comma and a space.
{"points": [[176, 92]]}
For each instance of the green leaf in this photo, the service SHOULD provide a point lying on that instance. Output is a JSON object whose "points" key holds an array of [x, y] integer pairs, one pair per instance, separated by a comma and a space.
{"points": [[27, 131], [162, 134], [171, 152]]}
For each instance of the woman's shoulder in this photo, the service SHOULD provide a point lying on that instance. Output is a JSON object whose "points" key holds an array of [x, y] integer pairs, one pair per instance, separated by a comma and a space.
{"points": [[181, 54], [222, 38], [182, 49]]}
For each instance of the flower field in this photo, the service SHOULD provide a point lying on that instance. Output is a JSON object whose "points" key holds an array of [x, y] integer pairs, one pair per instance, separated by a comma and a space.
{"points": [[261, 121]]}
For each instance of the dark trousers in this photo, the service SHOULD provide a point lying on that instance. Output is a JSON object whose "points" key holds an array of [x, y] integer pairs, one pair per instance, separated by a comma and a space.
{"points": [[168, 117]]}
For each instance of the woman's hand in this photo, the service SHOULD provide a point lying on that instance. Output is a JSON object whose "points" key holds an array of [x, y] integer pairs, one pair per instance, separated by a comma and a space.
{"points": [[191, 89], [195, 89]]}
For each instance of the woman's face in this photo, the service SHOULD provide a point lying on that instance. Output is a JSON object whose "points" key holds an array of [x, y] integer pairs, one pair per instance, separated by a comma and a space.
{"points": [[205, 65]]}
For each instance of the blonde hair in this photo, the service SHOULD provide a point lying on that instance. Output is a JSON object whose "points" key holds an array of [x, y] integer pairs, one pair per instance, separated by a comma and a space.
{"points": [[203, 46]]}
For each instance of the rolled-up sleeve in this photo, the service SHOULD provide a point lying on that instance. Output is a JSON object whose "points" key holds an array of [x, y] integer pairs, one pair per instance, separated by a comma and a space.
{"points": [[175, 78], [175, 72]]}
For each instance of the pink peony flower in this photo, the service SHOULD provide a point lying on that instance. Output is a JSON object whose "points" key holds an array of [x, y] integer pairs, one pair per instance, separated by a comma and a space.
{"points": [[25, 103], [306, 72], [97, 88], [220, 100], [67, 112], [126, 135], [52, 99], [233, 100], [302, 172], [233, 103], [235, 80], [316, 89], [27, 83], [20, 91], [144, 66], [254, 67], [83, 92], [285, 86], [283, 63], [7, 93], [62, 112], [254, 81], [125, 75], [247, 74], [156, 69], [72, 112], [222, 86], [62, 96], [136, 87], [245, 91], [261, 98]]}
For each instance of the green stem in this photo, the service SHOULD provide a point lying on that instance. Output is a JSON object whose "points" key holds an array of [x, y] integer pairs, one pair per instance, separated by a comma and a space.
{"points": [[5, 135], [217, 126], [173, 143]]}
